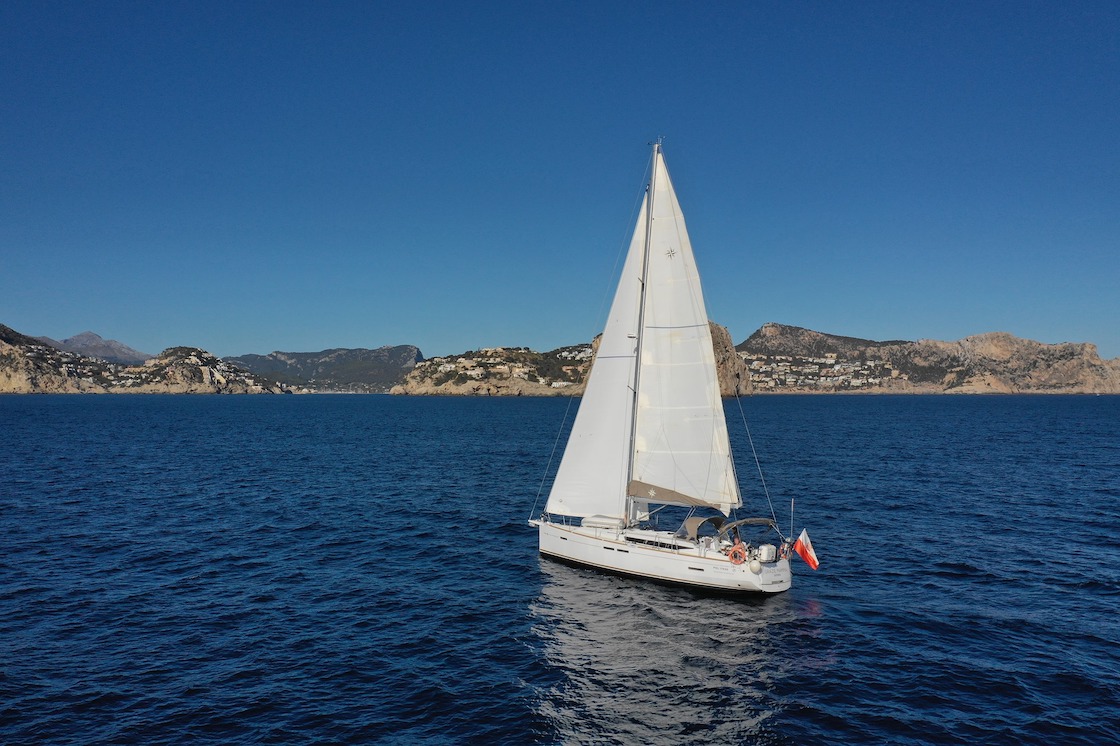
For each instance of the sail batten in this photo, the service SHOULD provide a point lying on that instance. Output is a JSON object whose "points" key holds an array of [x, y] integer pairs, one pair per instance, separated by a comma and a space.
{"points": [[677, 326]]}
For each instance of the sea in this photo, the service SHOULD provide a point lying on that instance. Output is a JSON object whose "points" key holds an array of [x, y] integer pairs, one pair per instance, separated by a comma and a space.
{"points": [[359, 569]]}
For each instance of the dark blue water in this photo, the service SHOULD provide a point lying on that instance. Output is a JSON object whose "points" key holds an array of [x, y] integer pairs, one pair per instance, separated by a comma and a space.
{"points": [[358, 569]]}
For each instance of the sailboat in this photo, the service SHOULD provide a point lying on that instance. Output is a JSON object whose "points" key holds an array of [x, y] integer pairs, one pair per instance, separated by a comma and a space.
{"points": [[650, 434]]}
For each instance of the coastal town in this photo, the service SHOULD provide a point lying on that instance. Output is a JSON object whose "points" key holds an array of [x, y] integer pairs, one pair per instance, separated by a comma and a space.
{"points": [[566, 367], [826, 373], [557, 369]]}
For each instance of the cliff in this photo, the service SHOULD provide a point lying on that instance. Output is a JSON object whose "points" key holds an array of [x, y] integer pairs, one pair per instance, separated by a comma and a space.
{"points": [[732, 371], [520, 371], [789, 358], [28, 366]]}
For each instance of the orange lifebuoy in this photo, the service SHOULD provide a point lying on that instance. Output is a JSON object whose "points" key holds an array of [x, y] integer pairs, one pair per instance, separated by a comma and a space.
{"points": [[737, 554]]}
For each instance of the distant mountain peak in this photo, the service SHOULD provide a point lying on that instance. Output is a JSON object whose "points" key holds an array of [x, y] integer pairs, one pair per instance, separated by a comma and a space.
{"points": [[86, 337], [94, 345], [783, 339]]}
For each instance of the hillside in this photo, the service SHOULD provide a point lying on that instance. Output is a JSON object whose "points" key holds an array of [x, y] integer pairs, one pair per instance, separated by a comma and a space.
{"points": [[519, 371], [29, 366], [792, 359], [356, 370], [500, 371]]}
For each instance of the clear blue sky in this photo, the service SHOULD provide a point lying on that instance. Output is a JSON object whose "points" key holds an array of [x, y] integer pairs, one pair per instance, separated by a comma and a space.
{"points": [[249, 177]]}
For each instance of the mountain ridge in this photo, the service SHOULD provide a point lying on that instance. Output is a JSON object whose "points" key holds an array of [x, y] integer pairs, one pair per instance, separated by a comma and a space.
{"points": [[338, 369]]}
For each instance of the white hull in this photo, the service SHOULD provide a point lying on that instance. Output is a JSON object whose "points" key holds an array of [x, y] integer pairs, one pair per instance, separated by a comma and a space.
{"points": [[632, 552]]}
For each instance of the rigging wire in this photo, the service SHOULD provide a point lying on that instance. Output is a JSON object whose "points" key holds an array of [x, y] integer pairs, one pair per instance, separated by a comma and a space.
{"points": [[758, 465], [608, 296], [551, 456]]}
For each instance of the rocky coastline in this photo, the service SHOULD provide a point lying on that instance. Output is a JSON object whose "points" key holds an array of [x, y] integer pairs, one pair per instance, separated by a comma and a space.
{"points": [[789, 359], [519, 371], [30, 366], [775, 359]]}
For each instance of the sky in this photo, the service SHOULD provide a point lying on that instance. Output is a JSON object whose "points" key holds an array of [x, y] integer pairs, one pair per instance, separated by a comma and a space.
{"points": [[258, 176]]}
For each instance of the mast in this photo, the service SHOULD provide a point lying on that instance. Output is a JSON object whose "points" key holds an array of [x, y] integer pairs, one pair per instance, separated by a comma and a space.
{"points": [[631, 513]]}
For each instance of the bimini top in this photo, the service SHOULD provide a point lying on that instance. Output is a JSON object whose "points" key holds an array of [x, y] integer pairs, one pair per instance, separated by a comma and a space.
{"points": [[749, 522], [690, 529]]}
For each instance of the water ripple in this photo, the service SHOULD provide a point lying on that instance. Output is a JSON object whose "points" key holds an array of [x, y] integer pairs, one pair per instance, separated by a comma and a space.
{"points": [[310, 569]]}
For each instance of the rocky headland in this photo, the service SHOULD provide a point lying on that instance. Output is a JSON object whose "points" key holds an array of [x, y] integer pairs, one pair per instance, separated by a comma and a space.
{"points": [[500, 371], [29, 366], [795, 360]]}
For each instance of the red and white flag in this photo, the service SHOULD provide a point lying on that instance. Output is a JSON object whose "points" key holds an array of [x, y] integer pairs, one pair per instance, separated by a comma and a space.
{"points": [[804, 547]]}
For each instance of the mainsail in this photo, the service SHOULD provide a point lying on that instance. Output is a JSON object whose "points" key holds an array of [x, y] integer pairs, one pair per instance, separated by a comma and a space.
{"points": [[651, 430]]}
